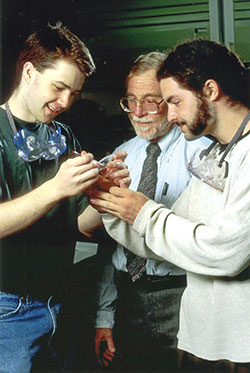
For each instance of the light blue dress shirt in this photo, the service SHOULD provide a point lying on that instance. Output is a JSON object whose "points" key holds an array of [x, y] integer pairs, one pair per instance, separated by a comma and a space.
{"points": [[172, 178]]}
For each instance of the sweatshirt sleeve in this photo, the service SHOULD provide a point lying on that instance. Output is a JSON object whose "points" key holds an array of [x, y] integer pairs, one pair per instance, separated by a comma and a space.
{"points": [[219, 248]]}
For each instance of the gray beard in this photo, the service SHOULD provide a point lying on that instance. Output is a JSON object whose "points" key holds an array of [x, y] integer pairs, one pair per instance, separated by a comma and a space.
{"points": [[153, 134]]}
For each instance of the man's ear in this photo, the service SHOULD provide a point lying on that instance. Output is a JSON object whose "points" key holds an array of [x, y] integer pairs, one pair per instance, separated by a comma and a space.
{"points": [[211, 90], [28, 71]]}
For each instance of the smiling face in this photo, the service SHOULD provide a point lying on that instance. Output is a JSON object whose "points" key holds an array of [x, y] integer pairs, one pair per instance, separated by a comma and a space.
{"points": [[192, 113], [144, 85], [51, 91]]}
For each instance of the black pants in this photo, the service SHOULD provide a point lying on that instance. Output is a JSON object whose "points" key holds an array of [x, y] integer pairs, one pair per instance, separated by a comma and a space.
{"points": [[147, 321]]}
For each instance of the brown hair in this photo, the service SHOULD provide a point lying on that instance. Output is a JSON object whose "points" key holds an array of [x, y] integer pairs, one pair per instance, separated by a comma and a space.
{"points": [[192, 63], [48, 45]]}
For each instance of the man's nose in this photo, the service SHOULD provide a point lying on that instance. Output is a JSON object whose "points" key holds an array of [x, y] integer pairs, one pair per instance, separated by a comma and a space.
{"points": [[65, 100], [139, 112], [172, 115]]}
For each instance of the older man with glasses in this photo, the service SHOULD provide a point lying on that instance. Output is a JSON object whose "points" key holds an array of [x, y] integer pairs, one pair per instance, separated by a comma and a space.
{"points": [[139, 299]]}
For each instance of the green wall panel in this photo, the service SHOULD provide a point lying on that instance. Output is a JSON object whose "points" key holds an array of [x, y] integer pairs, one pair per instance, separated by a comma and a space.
{"points": [[242, 29]]}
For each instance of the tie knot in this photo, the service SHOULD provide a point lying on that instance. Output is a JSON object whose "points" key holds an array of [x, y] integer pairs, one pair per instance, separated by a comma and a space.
{"points": [[153, 149]]}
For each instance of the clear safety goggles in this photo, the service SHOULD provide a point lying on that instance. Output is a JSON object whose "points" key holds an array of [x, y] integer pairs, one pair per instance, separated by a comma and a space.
{"points": [[209, 169], [31, 147], [210, 165]]}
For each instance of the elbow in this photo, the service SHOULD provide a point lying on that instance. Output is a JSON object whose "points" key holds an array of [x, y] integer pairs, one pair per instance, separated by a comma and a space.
{"points": [[234, 268]]}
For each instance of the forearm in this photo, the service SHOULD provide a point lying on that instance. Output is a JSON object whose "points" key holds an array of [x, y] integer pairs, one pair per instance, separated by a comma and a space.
{"points": [[124, 234], [20, 213], [73, 177], [106, 297], [157, 233], [220, 248], [105, 319], [89, 221]]}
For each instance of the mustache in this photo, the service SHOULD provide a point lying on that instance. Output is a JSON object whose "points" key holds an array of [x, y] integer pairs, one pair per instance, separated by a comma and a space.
{"points": [[141, 120], [178, 123]]}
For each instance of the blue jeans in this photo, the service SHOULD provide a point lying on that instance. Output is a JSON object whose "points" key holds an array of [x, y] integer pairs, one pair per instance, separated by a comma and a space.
{"points": [[26, 328]]}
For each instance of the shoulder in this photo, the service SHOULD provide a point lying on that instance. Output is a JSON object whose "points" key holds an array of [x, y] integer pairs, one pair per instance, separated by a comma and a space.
{"points": [[132, 144], [195, 145], [241, 151]]}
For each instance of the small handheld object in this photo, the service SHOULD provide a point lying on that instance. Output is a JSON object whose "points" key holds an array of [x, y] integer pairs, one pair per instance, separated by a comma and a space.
{"points": [[102, 163]]}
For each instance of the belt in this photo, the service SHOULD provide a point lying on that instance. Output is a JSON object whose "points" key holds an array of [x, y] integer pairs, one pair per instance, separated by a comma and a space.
{"points": [[31, 296], [28, 299], [153, 282]]}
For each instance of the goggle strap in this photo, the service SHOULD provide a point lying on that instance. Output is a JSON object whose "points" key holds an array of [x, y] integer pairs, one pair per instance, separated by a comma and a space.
{"points": [[208, 150], [235, 138], [10, 118]]}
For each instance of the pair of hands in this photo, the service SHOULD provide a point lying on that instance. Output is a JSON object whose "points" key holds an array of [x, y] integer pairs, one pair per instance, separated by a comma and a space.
{"points": [[108, 189], [81, 174], [121, 202]]}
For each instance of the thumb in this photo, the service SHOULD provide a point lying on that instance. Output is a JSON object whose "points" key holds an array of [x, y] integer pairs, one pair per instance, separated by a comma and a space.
{"points": [[111, 345]]}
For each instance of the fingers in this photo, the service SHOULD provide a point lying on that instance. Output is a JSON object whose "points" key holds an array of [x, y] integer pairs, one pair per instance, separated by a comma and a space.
{"points": [[120, 155], [104, 346], [106, 202], [100, 198], [75, 175], [107, 357], [120, 192], [82, 164], [125, 182], [120, 175], [118, 172], [123, 203]]}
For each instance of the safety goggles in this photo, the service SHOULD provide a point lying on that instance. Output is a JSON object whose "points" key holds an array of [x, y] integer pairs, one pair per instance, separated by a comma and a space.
{"points": [[31, 147], [209, 169], [210, 165]]}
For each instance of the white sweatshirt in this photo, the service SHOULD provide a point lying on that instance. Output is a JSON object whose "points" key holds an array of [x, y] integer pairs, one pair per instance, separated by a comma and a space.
{"points": [[207, 233]]}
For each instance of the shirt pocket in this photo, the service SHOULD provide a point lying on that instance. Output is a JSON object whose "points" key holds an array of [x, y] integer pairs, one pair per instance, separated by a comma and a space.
{"points": [[164, 194]]}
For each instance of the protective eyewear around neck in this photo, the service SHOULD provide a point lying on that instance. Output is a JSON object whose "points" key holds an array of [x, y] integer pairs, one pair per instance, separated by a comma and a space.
{"points": [[31, 147], [209, 168], [148, 105]]}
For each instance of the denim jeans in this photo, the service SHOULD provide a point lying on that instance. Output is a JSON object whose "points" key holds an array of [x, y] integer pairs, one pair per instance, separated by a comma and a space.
{"points": [[26, 328]]}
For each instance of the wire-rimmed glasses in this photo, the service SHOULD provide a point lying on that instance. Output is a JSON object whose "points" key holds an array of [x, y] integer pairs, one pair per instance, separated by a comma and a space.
{"points": [[148, 105]]}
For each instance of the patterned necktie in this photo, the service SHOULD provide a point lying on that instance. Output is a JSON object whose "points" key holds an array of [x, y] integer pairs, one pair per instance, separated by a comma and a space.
{"points": [[147, 185]]}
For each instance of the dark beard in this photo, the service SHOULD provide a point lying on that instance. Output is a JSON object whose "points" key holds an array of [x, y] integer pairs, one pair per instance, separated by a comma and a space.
{"points": [[202, 118]]}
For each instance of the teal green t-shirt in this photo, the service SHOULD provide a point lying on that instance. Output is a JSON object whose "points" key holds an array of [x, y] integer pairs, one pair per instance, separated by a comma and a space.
{"points": [[37, 260]]}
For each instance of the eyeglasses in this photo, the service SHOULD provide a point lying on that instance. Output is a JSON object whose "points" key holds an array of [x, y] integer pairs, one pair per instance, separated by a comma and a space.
{"points": [[148, 105], [31, 147]]}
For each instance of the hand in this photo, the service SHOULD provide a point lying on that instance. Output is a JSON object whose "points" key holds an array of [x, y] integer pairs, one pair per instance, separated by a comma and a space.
{"points": [[74, 176], [123, 203], [104, 336], [117, 170], [115, 173]]}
